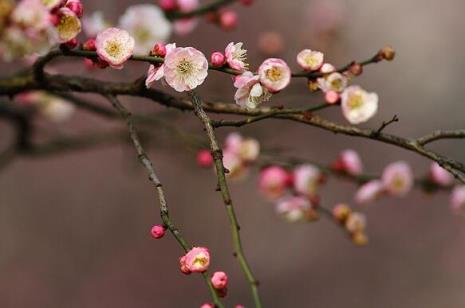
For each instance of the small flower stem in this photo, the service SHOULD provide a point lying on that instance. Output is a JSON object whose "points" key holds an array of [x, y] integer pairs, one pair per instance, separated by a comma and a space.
{"points": [[224, 189]]}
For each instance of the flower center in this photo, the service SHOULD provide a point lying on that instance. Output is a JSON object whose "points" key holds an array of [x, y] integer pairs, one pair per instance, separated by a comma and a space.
{"points": [[68, 26], [355, 101], [398, 182], [274, 74], [142, 34], [113, 48], [310, 61], [200, 261], [185, 67]]}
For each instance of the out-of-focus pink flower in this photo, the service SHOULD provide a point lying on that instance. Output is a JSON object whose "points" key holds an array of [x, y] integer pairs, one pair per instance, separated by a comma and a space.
{"points": [[296, 209], [185, 68], [94, 23], [204, 159], [75, 6], [369, 192], [198, 259], [236, 56], [270, 43], [228, 19], [233, 142], [310, 60], [187, 25], [358, 106], [89, 45], [241, 306], [274, 74], [341, 212], [234, 165], [69, 25], [157, 72], [307, 180], [332, 97], [355, 223], [273, 181], [168, 5], [219, 280], [349, 161], [31, 14], [183, 266], [250, 93], [457, 198], [440, 176], [147, 24], [114, 46], [157, 231], [158, 50], [247, 149], [187, 5], [327, 68], [217, 59], [207, 305], [397, 178], [333, 82]]}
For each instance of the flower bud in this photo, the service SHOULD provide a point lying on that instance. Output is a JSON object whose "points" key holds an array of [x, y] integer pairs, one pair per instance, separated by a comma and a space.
{"points": [[273, 181], [168, 5], [54, 19], [356, 69], [332, 97], [207, 305], [89, 45], [217, 59], [355, 223], [219, 280], [387, 53], [228, 19], [158, 50], [158, 231], [76, 7], [341, 212], [359, 239], [183, 266], [204, 159]]}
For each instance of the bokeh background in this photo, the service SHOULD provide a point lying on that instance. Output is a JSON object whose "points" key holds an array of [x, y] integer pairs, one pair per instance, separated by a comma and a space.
{"points": [[74, 228]]}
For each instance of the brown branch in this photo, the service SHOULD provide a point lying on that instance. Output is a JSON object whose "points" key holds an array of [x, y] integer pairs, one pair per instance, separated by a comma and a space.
{"points": [[440, 135]]}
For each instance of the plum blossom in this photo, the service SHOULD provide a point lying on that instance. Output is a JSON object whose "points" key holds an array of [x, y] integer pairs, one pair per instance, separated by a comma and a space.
{"points": [[369, 192], [147, 24], [358, 106], [197, 259], [157, 72], [296, 209], [236, 56], [94, 23], [250, 93], [247, 149], [185, 68], [52, 107], [356, 222], [158, 231], [457, 198], [397, 178], [274, 74], [310, 60], [440, 176], [114, 46], [69, 25], [341, 212], [273, 181], [204, 159], [234, 165], [333, 82], [31, 14], [349, 161], [219, 280], [186, 25], [307, 179]]}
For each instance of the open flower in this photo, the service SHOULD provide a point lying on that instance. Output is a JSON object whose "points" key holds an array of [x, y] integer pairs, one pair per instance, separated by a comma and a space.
{"points": [[307, 179], [457, 198], [333, 82], [157, 72], [31, 14], [349, 161], [296, 209], [358, 106], [274, 74], [69, 25], [236, 56], [310, 60], [397, 178], [369, 192], [185, 68], [246, 149], [147, 24], [440, 176], [273, 181], [114, 46], [234, 164], [197, 260], [250, 93]]}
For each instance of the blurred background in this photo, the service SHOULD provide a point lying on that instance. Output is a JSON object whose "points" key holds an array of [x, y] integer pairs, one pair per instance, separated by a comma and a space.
{"points": [[75, 227]]}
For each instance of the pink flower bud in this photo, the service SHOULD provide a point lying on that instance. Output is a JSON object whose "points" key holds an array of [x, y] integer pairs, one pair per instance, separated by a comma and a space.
{"points": [[75, 6], [369, 192], [348, 161], [332, 97], [273, 181], [158, 231], [219, 280], [168, 5], [159, 50], [71, 44], [457, 198], [207, 305], [89, 45], [197, 259], [183, 266], [440, 175], [204, 159], [239, 306], [228, 19], [217, 59], [271, 43]]}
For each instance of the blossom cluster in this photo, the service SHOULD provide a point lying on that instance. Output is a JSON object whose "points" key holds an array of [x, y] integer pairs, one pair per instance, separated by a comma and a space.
{"points": [[51, 107], [34, 26]]}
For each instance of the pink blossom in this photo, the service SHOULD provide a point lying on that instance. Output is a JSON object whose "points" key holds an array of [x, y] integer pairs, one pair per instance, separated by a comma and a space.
{"points": [[333, 82], [157, 231], [457, 198], [355, 223], [197, 259], [234, 164], [273, 181], [228, 19], [233, 142], [31, 14], [307, 180], [207, 305], [69, 25], [185, 68], [187, 5], [75, 6], [250, 93], [168, 5], [296, 209], [94, 23], [397, 178], [114, 46], [147, 24], [271, 43], [187, 25], [246, 149], [204, 159], [358, 106], [236, 56], [183, 266], [274, 74], [349, 161], [341, 212], [310, 60], [369, 192], [440, 176], [327, 68], [158, 50], [332, 97], [219, 280], [157, 72], [217, 59]]}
